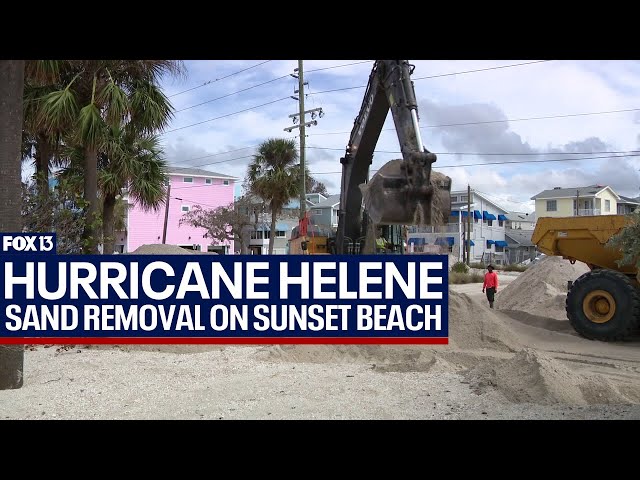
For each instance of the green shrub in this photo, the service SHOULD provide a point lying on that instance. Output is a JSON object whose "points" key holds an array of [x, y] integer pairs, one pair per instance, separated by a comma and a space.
{"points": [[460, 267], [515, 268], [459, 277]]}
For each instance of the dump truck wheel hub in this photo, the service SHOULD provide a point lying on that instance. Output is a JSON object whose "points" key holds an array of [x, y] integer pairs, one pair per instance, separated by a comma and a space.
{"points": [[599, 306]]}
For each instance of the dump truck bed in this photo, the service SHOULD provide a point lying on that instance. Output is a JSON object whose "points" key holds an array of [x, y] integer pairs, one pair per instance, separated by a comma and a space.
{"points": [[583, 239]]}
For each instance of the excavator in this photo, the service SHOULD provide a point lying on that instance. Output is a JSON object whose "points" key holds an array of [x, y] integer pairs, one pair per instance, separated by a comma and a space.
{"points": [[402, 192]]}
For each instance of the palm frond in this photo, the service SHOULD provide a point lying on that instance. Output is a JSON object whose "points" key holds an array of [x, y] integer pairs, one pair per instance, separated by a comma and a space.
{"points": [[115, 102], [151, 110], [92, 128], [42, 72], [57, 110]]}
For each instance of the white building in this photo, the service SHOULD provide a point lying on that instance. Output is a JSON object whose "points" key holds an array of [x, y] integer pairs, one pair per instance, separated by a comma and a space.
{"points": [[487, 228]]}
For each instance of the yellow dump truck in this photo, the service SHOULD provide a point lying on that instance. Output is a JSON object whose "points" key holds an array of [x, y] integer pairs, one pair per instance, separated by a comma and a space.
{"points": [[604, 303]]}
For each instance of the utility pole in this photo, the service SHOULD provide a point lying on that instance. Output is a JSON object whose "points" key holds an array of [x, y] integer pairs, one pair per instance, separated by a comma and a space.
{"points": [[166, 214], [468, 245], [301, 118]]}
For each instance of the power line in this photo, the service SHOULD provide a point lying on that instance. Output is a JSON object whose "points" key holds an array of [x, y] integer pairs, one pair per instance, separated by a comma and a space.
{"points": [[227, 115], [505, 120], [197, 202], [389, 151], [442, 166], [440, 75], [481, 69], [628, 153], [510, 162], [214, 155], [218, 79], [338, 66], [232, 93], [265, 83], [493, 154]]}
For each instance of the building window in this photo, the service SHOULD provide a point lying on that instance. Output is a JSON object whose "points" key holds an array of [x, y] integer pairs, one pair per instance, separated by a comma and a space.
{"points": [[464, 198], [281, 234], [607, 205], [225, 182], [454, 198], [500, 223], [552, 205], [317, 211], [489, 223], [499, 249], [208, 181], [258, 235], [185, 208], [187, 179]]}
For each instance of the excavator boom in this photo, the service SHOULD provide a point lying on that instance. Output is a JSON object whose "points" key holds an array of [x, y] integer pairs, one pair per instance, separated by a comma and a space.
{"points": [[403, 191]]}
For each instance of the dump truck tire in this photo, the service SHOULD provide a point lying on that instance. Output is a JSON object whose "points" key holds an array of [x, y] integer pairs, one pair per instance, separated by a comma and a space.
{"points": [[604, 305]]}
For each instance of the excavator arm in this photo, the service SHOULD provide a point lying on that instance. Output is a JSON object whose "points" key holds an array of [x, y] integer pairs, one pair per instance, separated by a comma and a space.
{"points": [[403, 191]]}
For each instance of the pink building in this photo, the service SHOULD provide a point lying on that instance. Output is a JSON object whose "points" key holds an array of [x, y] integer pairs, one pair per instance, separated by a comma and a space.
{"points": [[189, 187]]}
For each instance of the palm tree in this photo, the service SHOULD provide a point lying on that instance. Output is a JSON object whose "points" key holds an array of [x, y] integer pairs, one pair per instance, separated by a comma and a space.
{"points": [[104, 94], [11, 91], [40, 140], [274, 176], [137, 164]]}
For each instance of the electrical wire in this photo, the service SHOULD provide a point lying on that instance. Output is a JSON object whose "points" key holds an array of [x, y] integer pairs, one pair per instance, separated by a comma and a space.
{"points": [[264, 83], [548, 117], [440, 75], [509, 162], [218, 79], [227, 115]]}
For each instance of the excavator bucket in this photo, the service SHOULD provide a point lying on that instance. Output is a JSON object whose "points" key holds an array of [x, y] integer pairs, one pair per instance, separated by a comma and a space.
{"points": [[393, 197]]}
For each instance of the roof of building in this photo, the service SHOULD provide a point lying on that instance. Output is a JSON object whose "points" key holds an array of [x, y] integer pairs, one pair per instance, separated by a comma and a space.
{"points": [[559, 192], [634, 201], [196, 171], [485, 198], [521, 217], [330, 201], [521, 238]]}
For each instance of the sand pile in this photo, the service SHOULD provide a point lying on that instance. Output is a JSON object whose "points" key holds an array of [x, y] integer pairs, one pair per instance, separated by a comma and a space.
{"points": [[534, 377], [541, 290], [471, 328], [160, 249]]}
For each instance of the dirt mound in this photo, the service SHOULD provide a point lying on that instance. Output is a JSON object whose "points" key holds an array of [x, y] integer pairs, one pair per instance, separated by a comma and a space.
{"points": [[160, 249], [541, 290], [533, 377], [471, 327]]}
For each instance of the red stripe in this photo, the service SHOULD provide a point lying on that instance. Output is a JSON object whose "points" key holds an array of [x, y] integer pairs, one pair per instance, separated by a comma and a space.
{"points": [[220, 341]]}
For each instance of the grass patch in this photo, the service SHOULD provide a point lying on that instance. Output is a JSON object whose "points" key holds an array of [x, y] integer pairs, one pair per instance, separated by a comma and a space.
{"points": [[515, 268], [458, 277], [505, 268]]}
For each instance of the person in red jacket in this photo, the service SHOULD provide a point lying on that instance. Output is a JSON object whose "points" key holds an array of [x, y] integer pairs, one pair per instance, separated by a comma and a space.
{"points": [[490, 285]]}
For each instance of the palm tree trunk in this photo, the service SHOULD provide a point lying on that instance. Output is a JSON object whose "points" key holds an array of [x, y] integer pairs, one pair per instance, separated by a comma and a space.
{"points": [[272, 233], [108, 222], [43, 157], [11, 91], [91, 199]]}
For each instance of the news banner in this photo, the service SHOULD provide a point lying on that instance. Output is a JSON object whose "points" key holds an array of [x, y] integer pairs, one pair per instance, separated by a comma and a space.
{"points": [[191, 299]]}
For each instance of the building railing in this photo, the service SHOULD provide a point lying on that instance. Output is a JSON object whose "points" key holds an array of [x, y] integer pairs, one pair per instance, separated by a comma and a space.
{"points": [[582, 212], [450, 228]]}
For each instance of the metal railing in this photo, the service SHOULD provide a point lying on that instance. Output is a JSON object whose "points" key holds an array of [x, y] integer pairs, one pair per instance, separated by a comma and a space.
{"points": [[450, 228], [589, 211]]}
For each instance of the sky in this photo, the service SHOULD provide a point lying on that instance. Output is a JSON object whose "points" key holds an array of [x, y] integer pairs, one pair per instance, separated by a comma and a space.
{"points": [[481, 117]]}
